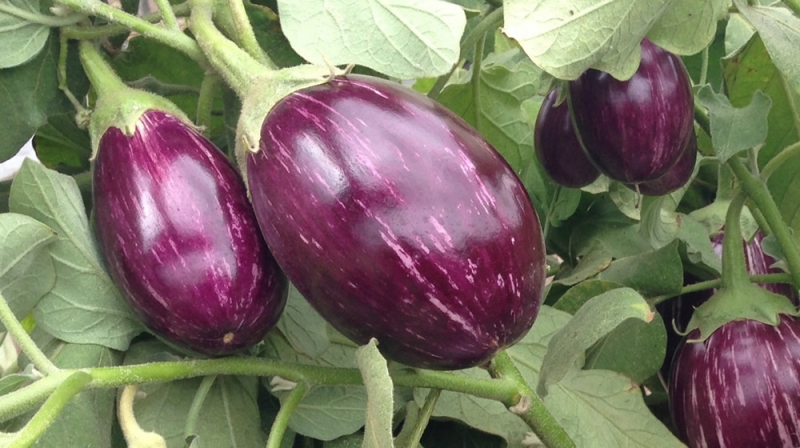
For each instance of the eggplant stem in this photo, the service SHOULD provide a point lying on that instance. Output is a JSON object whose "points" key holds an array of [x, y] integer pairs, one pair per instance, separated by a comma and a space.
{"points": [[288, 406]]}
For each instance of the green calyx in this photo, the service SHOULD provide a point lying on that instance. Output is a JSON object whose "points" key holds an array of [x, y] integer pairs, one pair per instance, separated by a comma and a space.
{"points": [[737, 299], [118, 105]]}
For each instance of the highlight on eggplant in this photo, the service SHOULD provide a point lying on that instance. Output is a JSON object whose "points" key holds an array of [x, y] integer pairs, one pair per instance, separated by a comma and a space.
{"points": [[397, 220], [181, 240]]}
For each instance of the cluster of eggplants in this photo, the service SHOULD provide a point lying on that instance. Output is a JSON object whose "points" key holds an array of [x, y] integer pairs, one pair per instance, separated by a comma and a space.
{"points": [[741, 386], [398, 221], [181, 239], [637, 131]]}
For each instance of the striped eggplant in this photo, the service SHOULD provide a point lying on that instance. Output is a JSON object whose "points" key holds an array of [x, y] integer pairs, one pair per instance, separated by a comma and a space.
{"points": [[634, 131], [557, 147], [181, 239], [676, 177], [741, 386], [398, 221]]}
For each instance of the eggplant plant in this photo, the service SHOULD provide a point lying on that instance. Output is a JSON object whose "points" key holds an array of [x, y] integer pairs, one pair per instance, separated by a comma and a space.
{"points": [[314, 223]]}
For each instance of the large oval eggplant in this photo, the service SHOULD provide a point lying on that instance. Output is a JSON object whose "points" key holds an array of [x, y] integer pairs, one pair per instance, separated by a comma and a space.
{"points": [[398, 221], [676, 177], [635, 130], [181, 239], [740, 388], [558, 148]]}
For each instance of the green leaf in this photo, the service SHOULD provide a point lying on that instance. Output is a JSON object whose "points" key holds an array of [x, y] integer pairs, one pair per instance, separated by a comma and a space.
{"points": [[752, 70], [619, 234], [575, 297], [595, 319], [229, 416], [303, 326], [596, 259], [88, 418], [735, 129], [403, 39], [380, 405], [738, 32], [61, 144], [270, 37], [627, 201], [652, 273], [26, 269], [635, 349], [698, 244], [10, 383], [565, 38], [29, 94], [659, 224], [20, 40], [565, 204], [83, 306], [780, 30], [507, 80], [688, 27]]}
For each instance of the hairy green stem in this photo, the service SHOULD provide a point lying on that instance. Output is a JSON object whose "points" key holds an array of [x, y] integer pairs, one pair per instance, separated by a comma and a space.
{"points": [[172, 38], [135, 436], [716, 283], [491, 19], [50, 410], [197, 405], [790, 152], [40, 19], [701, 117], [104, 81], [205, 101], [734, 266], [97, 32], [758, 192], [288, 406], [423, 418], [704, 67], [245, 34], [529, 406], [63, 49], [168, 15], [477, 62], [35, 354], [760, 220], [19, 401]]}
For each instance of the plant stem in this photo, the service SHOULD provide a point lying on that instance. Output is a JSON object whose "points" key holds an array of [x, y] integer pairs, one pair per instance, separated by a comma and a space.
{"points": [[51, 408], [244, 31], [134, 435], [491, 19], [536, 415], [97, 32], [102, 77], [19, 401], [168, 14], [704, 67], [205, 102], [716, 283], [282, 419], [40, 19], [197, 405], [790, 152], [758, 192], [734, 267], [62, 73], [423, 418], [701, 117], [477, 61], [39, 359], [174, 39]]}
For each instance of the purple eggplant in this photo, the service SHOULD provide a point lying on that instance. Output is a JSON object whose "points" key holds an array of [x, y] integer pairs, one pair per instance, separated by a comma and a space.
{"points": [[635, 130], [740, 387], [398, 221], [557, 147], [181, 238], [676, 177]]}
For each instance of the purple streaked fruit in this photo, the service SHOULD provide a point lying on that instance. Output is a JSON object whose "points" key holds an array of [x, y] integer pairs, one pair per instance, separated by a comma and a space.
{"points": [[181, 239], [635, 130], [740, 388], [558, 148], [676, 177], [398, 221]]}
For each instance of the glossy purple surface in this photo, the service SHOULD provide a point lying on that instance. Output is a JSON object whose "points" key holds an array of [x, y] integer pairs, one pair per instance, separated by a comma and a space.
{"points": [[398, 221], [181, 239], [740, 388], [557, 147], [635, 130], [676, 177]]}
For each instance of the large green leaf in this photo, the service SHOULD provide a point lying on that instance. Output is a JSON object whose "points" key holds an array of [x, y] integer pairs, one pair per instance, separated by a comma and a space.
{"points": [[635, 349], [26, 269], [565, 38], [507, 80], [404, 39], [229, 417], [60, 144], [20, 39], [688, 27], [302, 326], [83, 306]]}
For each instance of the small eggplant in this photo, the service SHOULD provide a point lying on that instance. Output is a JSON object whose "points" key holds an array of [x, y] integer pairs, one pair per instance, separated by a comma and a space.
{"points": [[676, 177]]}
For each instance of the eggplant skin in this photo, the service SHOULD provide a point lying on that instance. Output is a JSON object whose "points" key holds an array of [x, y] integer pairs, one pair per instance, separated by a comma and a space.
{"points": [[398, 221], [635, 130], [739, 388], [181, 239], [676, 177], [558, 148]]}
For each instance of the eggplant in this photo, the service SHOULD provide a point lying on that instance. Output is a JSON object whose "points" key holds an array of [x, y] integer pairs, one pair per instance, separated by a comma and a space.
{"points": [[557, 147], [676, 177], [397, 220], [740, 387], [636, 130], [181, 239]]}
